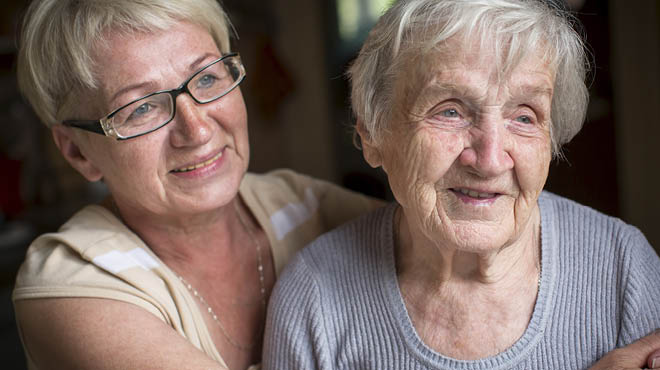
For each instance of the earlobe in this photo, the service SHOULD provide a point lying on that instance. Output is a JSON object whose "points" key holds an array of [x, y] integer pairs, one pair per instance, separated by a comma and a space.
{"points": [[64, 139], [370, 151]]}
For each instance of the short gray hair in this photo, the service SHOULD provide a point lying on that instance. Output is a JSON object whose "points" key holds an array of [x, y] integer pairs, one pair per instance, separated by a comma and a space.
{"points": [[58, 38], [513, 27]]}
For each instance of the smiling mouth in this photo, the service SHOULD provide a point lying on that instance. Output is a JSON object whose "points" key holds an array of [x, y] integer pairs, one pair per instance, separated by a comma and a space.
{"points": [[475, 194], [199, 165]]}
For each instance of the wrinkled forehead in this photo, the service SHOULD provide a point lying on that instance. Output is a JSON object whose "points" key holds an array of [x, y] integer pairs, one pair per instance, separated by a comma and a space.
{"points": [[499, 61]]}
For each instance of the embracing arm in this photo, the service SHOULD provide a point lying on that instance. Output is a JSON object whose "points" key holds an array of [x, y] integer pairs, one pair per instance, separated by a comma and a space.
{"points": [[92, 333]]}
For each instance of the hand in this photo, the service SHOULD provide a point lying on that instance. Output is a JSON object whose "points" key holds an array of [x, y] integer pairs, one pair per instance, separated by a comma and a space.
{"points": [[637, 355], [654, 358]]}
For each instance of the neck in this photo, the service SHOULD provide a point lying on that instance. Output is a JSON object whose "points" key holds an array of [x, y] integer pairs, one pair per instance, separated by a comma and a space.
{"points": [[469, 305], [440, 266], [182, 240]]}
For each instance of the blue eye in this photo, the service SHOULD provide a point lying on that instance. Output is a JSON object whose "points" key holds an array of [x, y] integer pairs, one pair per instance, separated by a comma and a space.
{"points": [[140, 111], [524, 119], [450, 113], [206, 81]]}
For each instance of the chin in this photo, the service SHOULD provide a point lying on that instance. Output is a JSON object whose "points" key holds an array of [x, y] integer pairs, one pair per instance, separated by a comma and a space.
{"points": [[478, 239], [203, 202]]}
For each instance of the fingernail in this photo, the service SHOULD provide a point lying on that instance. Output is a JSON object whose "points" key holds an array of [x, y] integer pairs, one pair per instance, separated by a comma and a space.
{"points": [[654, 362]]}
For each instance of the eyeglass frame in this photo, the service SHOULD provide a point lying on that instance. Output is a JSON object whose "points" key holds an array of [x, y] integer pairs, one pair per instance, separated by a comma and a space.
{"points": [[103, 126]]}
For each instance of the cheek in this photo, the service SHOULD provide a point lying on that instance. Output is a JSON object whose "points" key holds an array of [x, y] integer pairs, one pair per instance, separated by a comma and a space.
{"points": [[231, 112], [422, 159], [137, 164], [532, 166], [440, 149]]}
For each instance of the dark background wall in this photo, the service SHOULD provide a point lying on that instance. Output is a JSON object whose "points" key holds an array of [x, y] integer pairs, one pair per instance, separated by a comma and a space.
{"points": [[296, 52]]}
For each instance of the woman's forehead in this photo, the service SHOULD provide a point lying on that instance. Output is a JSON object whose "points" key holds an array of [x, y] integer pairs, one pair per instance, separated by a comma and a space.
{"points": [[463, 76], [152, 60], [457, 64]]}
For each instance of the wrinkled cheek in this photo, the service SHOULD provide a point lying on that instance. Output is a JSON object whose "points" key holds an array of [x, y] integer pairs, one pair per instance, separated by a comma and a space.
{"points": [[532, 180]]}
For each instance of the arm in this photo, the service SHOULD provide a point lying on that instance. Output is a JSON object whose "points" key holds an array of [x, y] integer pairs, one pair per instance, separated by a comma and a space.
{"points": [[91, 333]]}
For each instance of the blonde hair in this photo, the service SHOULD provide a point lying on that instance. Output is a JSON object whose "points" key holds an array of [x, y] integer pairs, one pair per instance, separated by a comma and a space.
{"points": [[513, 28], [58, 38]]}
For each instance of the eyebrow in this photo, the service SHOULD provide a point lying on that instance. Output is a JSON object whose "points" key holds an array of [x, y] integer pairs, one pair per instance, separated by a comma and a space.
{"points": [[192, 67], [534, 90], [437, 88], [443, 88], [471, 94]]}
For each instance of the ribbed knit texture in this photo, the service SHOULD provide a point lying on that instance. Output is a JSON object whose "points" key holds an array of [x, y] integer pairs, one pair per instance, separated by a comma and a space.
{"points": [[338, 305]]}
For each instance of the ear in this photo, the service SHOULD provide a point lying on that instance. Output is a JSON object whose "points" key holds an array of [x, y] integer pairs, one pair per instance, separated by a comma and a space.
{"points": [[66, 143], [370, 151]]}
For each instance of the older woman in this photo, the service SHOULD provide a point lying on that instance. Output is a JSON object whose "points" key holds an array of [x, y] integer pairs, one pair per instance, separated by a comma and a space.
{"points": [[464, 103], [174, 270]]}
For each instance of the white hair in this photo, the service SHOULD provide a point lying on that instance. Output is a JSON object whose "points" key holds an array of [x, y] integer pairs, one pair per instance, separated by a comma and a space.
{"points": [[512, 28]]}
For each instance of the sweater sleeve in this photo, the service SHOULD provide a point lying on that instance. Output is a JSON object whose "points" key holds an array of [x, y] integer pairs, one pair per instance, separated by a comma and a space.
{"points": [[641, 300], [295, 337]]}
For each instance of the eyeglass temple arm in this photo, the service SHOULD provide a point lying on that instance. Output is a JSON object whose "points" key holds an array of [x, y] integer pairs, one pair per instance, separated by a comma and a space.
{"points": [[93, 126]]}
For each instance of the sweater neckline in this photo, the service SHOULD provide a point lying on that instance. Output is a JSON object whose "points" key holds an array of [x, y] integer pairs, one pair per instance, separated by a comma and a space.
{"points": [[510, 357]]}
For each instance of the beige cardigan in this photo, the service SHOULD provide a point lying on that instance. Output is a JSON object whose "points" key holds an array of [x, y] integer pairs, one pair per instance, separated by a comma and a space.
{"points": [[95, 255]]}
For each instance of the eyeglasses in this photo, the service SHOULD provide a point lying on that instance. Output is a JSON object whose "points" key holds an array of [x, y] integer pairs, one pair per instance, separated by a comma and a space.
{"points": [[153, 111]]}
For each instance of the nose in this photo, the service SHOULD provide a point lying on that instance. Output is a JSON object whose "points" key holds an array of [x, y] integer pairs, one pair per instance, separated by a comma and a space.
{"points": [[487, 152], [191, 127]]}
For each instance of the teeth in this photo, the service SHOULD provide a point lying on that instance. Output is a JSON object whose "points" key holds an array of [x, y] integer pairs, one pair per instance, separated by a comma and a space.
{"points": [[475, 194], [199, 165]]}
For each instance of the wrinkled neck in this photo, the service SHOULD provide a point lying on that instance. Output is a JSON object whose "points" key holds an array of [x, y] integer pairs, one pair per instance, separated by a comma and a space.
{"points": [[438, 266]]}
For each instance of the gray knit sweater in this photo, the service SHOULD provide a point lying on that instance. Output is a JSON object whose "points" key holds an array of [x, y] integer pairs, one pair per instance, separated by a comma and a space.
{"points": [[338, 305]]}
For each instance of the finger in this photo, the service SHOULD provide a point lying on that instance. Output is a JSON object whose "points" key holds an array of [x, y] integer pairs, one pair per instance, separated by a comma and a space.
{"points": [[654, 357], [638, 354]]}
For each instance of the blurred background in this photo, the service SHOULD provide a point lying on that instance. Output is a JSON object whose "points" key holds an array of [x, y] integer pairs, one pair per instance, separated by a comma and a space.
{"points": [[296, 53]]}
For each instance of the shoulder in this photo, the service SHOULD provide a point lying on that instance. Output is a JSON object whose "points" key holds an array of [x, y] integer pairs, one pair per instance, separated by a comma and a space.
{"points": [[81, 259], [277, 182], [90, 232], [283, 186], [582, 221], [324, 278], [295, 209], [84, 230], [588, 236]]}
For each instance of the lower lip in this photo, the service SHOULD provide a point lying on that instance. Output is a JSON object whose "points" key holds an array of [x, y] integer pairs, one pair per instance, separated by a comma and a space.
{"points": [[204, 170], [475, 201]]}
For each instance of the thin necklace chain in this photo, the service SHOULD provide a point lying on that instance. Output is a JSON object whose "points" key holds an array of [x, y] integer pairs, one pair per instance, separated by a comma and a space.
{"points": [[260, 265], [260, 269]]}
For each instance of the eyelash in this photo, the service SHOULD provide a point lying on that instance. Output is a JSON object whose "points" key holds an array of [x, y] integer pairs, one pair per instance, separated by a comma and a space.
{"points": [[451, 116], [448, 115], [527, 112]]}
